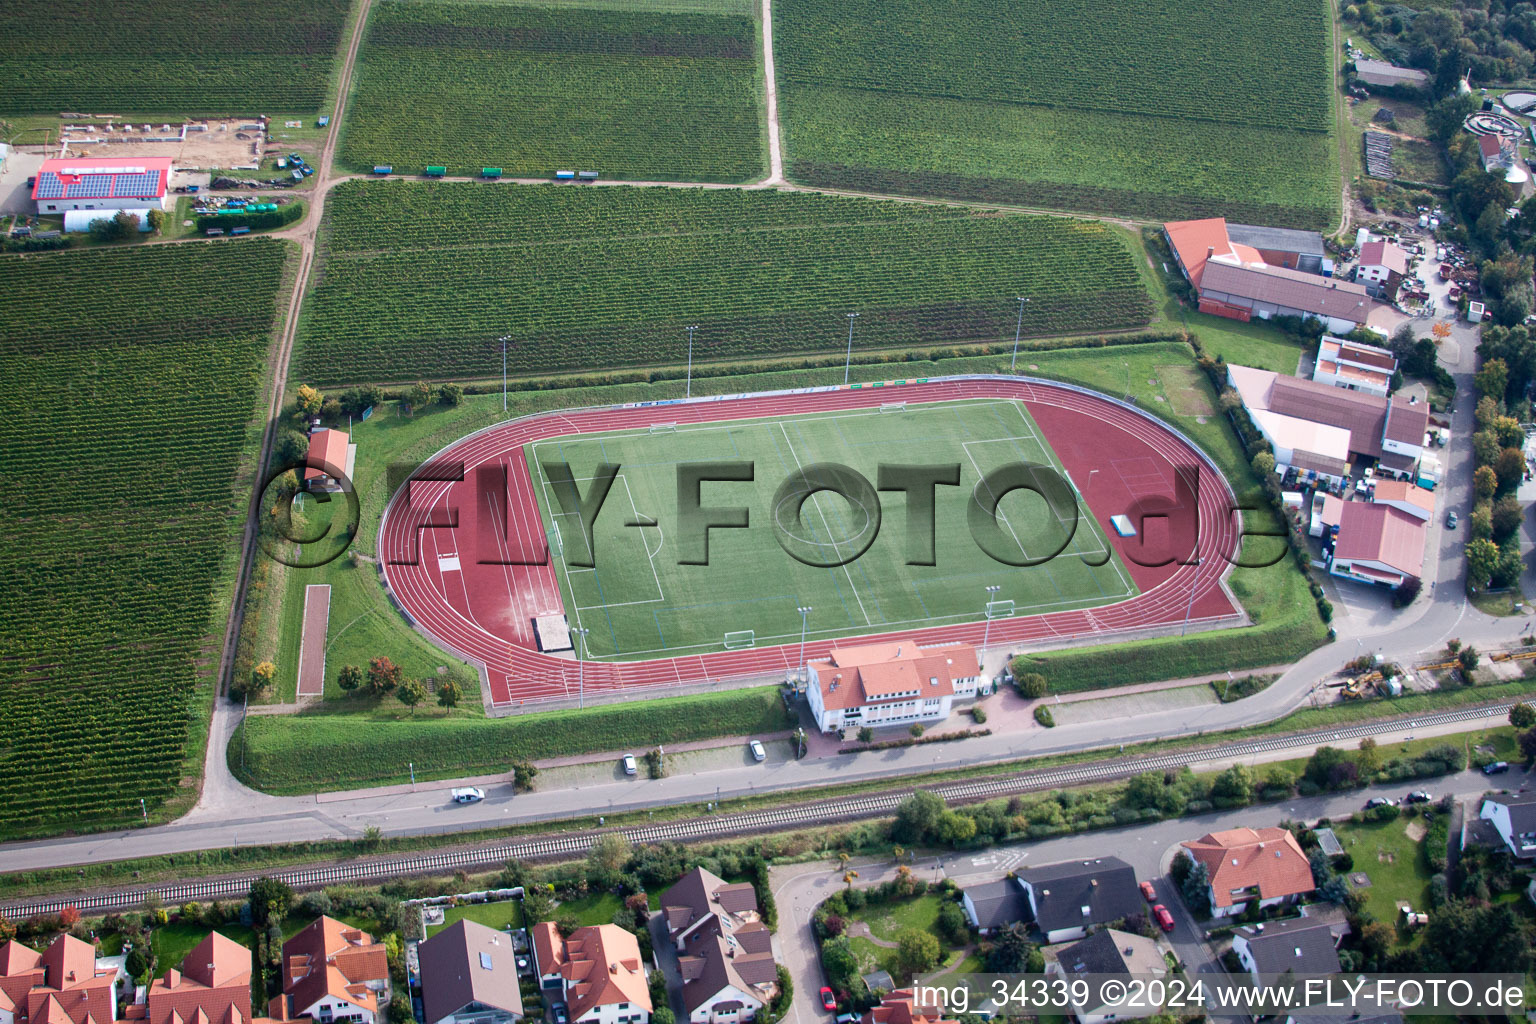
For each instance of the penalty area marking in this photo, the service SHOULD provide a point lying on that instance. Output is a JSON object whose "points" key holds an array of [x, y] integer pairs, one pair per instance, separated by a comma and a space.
{"points": [[317, 617]]}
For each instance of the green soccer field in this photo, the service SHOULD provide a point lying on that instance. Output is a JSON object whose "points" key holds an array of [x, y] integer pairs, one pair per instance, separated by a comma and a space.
{"points": [[638, 602]]}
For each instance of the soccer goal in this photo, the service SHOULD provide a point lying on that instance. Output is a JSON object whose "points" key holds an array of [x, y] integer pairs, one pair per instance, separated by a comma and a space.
{"points": [[740, 639], [556, 548], [893, 407], [999, 609], [663, 428]]}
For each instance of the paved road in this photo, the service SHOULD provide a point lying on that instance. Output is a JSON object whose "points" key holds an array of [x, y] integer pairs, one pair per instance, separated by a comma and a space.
{"points": [[799, 888]]}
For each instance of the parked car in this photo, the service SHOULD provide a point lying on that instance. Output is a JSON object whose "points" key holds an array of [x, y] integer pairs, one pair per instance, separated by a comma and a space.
{"points": [[1450, 520], [1164, 919], [1418, 796], [847, 1018], [560, 1017], [468, 795], [758, 753], [828, 1003], [1148, 892], [628, 761], [1497, 768], [1379, 801]]}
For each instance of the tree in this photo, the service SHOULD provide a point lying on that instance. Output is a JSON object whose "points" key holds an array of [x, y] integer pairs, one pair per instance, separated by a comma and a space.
{"points": [[309, 401], [952, 924], [917, 817], [1480, 522], [1485, 481], [1368, 760], [1009, 953], [450, 394], [663, 1015], [349, 678], [261, 676], [1033, 685], [1485, 447], [1321, 764], [1234, 786], [69, 916], [1507, 516], [1263, 465], [1527, 740], [915, 729], [1509, 467], [270, 899], [410, 692], [866, 734], [917, 951], [842, 964], [537, 904], [1468, 658], [1522, 715], [1196, 889], [383, 676], [1407, 591], [1492, 379], [290, 448], [141, 960], [156, 220], [448, 694], [609, 853], [1482, 559]]}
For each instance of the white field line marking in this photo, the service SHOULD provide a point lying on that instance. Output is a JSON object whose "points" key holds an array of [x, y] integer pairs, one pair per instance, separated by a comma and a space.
{"points": [[836, 546]]}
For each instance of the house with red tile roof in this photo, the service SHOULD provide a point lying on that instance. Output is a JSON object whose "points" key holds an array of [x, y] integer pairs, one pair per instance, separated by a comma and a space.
{"points": [[1381, 268], [64, 984], [902, 1007], [331, 456], [332, 972], [725, 954], [1248, 864], [596, 972], [889, 684], [213, 986]]}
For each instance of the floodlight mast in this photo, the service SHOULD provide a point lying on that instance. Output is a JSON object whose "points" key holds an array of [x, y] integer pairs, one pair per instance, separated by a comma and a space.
{"points": [[1017, 328], [804, 611], [848, 359], [986, 633]]}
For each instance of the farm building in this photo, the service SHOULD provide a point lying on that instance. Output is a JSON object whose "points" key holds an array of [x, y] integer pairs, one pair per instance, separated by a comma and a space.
{"points": [[331, 457], [1315, 426], [1242, 272], [1354, 365], [1382, 267], [1377, 543], [884, 684], [1380, 73], [102, 183]]}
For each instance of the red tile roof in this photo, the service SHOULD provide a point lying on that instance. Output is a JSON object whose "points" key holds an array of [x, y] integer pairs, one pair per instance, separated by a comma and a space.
{"points": [[1489, 145], [1268, 860], [1382, 253], [854, 676], [1194, 241], [1380, 533], [329, 958], [1363, 415], [1407, 492], [327, 454], [548, 947], [215, 982], [61, 985], [900, 1007], [602, 967]]}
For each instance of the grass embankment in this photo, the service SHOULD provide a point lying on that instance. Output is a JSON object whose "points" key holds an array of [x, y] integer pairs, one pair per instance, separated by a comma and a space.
{"points": [[331, 750]]}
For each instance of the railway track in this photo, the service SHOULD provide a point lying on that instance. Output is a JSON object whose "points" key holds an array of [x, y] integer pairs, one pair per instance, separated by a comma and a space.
{"points": [[800, 815]]}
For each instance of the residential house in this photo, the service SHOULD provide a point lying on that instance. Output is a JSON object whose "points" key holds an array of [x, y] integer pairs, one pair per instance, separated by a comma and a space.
{"points": [[1302, 420], [330, 459], [725, 952], [995, 906], [212, 986], [902, 1007], [598, 972], [1102, 958], [1354, 365], [886, 684], [1380, 73], [67, 983], [1513, 816], [1248, 864], [1301, 946], [469, 976], [1067, 900], [1381, 268], [334, 974], [1497, 153]]}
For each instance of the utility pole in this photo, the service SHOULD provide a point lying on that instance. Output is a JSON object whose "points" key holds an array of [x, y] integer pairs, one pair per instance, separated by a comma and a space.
{"points": [[688, 393], [1016, 329], [848, 360], [804, 610], [986, 633], [412, 766], [1193, 586], [504, 338], [581, 676]]}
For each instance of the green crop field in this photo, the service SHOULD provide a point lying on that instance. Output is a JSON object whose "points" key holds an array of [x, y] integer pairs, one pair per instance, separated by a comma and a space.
{"points": [[611, 277], [638, 94], [639, 602], [1143, 107], [196, 57], [134, 377]]}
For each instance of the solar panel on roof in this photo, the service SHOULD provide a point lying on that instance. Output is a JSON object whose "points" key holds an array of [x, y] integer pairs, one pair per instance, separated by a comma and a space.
{"points": [[134, 185], [49, 186], [90, 186]]}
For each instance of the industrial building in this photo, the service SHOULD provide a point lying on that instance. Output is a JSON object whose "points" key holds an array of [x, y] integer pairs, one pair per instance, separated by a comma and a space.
{"points": [[102, 183]]}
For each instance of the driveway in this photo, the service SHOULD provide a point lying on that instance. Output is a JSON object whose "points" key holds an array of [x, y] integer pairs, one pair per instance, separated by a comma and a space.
{"points": [[15, 196]]}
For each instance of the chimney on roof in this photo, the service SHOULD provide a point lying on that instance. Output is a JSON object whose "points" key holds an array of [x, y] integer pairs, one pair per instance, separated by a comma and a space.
{"points": [[1259, 926], [1210, 251], [1093, 882]]}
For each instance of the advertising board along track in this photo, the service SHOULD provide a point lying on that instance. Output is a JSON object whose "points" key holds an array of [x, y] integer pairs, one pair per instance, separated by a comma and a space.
{"points": [[435, 597]]}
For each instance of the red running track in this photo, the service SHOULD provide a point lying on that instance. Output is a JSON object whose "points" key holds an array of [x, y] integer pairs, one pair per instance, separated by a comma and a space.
{"points": [[1121, 459]]}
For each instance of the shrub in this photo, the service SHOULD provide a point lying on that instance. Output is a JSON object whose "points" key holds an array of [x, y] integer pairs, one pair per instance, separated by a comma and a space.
{"points": [[1032, 685], [1044, 717]]}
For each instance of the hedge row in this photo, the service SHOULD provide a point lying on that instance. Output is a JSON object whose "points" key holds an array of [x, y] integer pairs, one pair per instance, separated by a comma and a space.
{"points": [[255, 221]]}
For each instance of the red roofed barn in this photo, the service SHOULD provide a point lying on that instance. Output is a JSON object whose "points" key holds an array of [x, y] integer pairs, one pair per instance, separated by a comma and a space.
{"points": [[1247, 864], [102, 183], [885, 684]]}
